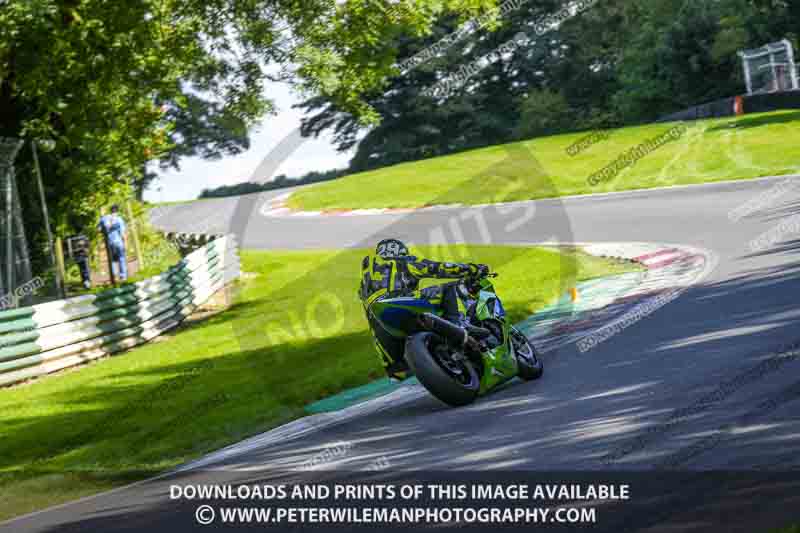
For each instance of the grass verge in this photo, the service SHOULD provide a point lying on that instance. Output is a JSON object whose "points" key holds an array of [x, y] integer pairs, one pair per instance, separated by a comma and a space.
{"points": [[712, 150], [226, 378]]}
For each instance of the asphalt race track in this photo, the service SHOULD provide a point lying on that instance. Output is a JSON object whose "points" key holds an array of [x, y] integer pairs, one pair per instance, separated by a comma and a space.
{"points": [[587, 405]]}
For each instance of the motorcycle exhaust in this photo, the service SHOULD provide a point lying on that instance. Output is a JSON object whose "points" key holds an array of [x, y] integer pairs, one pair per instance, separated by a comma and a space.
{"points": [[454, 334]]}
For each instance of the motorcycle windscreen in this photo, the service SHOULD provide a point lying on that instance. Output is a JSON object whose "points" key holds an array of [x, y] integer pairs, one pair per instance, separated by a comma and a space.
{"points": [[499, 310], [490, 308]]}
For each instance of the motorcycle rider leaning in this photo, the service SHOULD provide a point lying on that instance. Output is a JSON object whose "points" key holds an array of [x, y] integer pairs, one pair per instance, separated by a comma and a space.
{"points": [[393, 272]]}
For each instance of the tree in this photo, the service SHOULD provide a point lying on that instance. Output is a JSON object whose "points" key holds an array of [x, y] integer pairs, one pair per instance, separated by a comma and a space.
{"points": [[619, 62], [684, 54], [118, 84], [280, 182], [543, 113], [414, 125]]}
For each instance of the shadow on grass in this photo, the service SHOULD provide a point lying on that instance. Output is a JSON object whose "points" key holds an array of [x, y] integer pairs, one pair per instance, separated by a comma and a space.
{"points": [[771, 119], [186, 409], [155, 414], [586, 406], [130, 424]]}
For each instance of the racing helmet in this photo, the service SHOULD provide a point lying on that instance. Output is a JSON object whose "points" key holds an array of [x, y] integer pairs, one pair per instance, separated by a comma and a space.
{"points": [[391, 249]]}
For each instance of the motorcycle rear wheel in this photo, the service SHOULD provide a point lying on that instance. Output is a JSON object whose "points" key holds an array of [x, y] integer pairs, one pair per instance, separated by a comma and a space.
{"points": [[454, 382]]}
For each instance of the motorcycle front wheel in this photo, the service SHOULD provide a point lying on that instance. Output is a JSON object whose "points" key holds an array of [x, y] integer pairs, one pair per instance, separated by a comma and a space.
{"points": [[452, 380], [530, 366]]}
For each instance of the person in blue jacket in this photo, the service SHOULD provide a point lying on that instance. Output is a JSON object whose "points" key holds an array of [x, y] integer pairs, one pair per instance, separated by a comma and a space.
{"points": [[114, 229]]}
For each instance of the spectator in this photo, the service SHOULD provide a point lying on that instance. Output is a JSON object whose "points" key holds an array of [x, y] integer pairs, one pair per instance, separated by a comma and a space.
{"points": [[114, 229], [81, 255]]}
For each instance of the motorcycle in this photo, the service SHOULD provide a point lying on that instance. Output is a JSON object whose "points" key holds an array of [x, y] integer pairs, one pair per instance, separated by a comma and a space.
{"points": [[456, 363]]}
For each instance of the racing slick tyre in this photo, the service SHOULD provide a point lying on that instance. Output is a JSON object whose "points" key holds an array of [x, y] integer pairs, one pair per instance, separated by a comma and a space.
{"points": [[452, 380], [530, 366]]}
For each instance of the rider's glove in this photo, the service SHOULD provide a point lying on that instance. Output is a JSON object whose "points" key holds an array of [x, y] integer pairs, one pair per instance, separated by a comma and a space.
{"points": [[477, 269]]}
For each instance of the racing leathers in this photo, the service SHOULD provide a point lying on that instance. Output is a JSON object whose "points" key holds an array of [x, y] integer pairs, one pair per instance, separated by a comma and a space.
{"points": [[400, 276]]}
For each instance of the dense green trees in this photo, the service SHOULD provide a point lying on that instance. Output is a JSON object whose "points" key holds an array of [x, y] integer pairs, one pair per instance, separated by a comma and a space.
{"points": [[118, 84], [279, 182], [620, 62]]}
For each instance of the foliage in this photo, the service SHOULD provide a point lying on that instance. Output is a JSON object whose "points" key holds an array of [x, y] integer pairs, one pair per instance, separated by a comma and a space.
{"points": [[542, 113], [280, 182], [621, 62], [414, 126], [102, 80], [711, 150], [116, 85]]}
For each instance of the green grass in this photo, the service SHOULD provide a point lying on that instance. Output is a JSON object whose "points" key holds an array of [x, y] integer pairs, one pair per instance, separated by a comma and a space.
{"points": [[712, 150], [233, 375], [151, 205]]}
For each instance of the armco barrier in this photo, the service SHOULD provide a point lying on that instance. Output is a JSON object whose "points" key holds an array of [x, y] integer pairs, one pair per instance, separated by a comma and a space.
{"points": [[716, 109], [45, 338], [766, 102], [752, 103]]}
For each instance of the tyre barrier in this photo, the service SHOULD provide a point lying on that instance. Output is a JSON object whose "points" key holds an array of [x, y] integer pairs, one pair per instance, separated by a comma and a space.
{"points": [[189, 242], [49, 337]]}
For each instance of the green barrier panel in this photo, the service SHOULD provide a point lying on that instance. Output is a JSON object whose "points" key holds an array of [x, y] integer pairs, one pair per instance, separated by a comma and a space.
{"points": [[22, 324], [119, 321], [109, 344], [22, 330], [119, 306], [16, 314], [18, 338], [20, 350], [180, 298]]}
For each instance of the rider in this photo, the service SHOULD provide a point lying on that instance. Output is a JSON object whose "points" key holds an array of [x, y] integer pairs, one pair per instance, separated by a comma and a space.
{"points": [[393, 272]]}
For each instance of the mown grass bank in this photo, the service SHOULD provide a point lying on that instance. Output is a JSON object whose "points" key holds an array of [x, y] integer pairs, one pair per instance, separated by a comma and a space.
{"points": [[233, 375], [711, 150]]}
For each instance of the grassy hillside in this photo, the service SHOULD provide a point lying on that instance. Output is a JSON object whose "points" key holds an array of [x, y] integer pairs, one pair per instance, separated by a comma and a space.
{"points": [[221, 380], [711, 150]]}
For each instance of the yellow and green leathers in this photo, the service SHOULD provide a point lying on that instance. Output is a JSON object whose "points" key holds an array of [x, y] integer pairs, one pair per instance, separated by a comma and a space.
{"points": [[397, 279]]}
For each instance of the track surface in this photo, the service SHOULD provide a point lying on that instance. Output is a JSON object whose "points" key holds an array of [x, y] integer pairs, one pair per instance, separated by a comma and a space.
{"points": [[587, 405]]}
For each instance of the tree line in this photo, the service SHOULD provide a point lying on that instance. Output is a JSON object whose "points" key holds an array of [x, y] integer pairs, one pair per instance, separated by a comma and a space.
{"points": [[279, 182], [615, 63], [118, 87], [618, 62]]}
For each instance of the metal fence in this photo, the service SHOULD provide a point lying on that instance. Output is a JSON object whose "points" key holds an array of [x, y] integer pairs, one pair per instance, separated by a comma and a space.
{"points": [[771, 68], [15, 264]]}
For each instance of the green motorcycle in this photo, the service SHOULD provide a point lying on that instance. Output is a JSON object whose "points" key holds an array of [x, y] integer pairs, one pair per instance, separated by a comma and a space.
{"points": [[456, 364]]}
